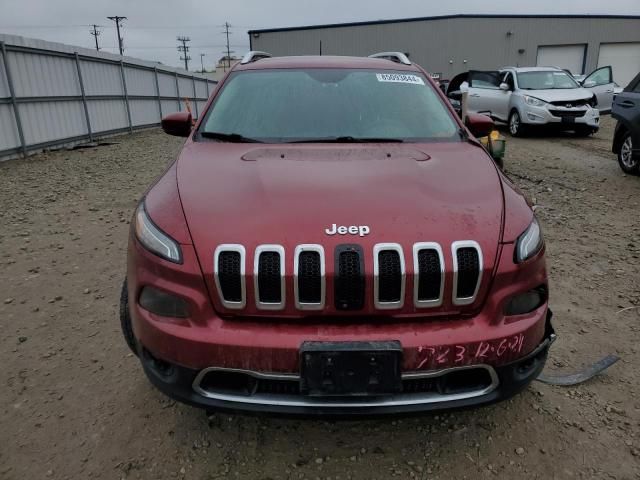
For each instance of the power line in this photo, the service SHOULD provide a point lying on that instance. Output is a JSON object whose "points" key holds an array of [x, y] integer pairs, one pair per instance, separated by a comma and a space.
{"points": [[226, 32], [164, 47], [129, 26], [95, 32], [185, 50], [118, 21]]}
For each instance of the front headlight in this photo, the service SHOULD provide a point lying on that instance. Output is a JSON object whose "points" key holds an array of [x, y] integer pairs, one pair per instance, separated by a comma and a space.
{"points": [[529, 243], [154, 239], [533, 101], [593, 101]]}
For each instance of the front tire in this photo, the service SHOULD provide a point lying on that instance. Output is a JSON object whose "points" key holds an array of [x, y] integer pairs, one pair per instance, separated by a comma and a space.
{"points": [[627, 162], [125, 319], [516, 128]]}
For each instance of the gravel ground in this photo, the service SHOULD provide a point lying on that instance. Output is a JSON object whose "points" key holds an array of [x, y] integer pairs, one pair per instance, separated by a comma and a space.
{"points": [[74, 402]]}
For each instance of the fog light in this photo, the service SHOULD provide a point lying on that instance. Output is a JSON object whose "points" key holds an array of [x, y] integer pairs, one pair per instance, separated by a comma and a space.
{"points": [[163, 304], [526, 302]]}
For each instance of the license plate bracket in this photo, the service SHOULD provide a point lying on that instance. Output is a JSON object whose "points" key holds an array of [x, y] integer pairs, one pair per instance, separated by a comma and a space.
{"points": [[567, 119], [350, 368]]}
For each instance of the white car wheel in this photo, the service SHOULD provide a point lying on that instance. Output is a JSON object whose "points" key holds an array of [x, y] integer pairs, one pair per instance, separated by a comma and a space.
{"points": [[515, 124]]}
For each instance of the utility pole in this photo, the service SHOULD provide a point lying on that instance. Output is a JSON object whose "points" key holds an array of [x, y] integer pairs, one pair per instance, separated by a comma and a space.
{"points": [[95, 32], [185, 50], [202, 55], [118, 21], [226, 31]]}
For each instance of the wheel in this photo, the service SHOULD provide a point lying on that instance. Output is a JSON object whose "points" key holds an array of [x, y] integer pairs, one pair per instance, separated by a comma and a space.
{"points": [[516, 128], [627, 162], [584, 131], [125, 319]]}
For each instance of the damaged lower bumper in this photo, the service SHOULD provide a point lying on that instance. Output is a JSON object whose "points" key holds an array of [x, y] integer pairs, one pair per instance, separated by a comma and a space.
{"points": [[450, 388]]}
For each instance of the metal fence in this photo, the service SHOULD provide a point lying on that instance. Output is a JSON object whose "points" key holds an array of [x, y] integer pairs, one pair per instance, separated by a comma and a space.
{"points": [[53, 94]]}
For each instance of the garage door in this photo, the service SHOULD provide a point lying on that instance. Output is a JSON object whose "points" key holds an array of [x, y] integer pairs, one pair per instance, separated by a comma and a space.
{"points": [[624, 59], [570, 57]]}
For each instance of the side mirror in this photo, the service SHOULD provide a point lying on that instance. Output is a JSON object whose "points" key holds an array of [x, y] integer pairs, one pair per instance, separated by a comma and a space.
{"points": [[479, 125], [178, 124], [588, 83], [505, 87]]}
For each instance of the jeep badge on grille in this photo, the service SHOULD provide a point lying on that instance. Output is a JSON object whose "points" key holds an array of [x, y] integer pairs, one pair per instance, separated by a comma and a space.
{"points": [[361, 230]]}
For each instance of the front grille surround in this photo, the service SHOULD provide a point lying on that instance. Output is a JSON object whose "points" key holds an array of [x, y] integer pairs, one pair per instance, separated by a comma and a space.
{"points": [[425, 269], [572, 103], [417, 248], [301, 305], [260, 305], [377, 249], [455, 246], [568, 113], [231, 247]]}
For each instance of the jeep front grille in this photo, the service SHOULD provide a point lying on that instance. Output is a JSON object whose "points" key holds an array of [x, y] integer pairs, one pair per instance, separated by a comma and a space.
{"points": [[467, 271], [349, 281], [229, 270], [389, 276], [428, 279], [268, 274], [350, 287]]}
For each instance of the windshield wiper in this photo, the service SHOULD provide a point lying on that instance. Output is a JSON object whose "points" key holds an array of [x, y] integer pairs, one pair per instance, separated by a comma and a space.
{"points": [[229, 137], [349, 139]]}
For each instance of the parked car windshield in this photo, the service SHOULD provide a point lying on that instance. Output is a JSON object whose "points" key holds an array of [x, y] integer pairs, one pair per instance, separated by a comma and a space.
{"points": [[545, 80], [277, 106]]}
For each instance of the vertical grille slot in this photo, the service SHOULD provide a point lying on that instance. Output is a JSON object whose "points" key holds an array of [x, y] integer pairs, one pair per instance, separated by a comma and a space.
{"points": [[229, 273], [349, 280], [309, 277], [389, 275], [467, 271], [428, 267], [269, 277]]}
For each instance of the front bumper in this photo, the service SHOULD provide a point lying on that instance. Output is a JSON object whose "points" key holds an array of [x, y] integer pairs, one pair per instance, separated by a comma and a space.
{"points": [[552, 116], [187, 385]]}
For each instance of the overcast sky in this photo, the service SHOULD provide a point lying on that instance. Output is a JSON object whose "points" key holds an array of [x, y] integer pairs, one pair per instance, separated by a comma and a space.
{"points": [[152, 25]]}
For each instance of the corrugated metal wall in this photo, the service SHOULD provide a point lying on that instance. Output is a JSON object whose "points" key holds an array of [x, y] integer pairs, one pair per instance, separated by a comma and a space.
{"points": [[53, 94], [454, 44]]}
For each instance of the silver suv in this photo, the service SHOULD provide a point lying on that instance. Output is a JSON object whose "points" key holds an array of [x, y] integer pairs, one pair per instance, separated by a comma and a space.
{"points": [[525, 97]]}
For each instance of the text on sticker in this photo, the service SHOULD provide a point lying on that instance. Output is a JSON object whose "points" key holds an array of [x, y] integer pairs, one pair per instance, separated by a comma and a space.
{"points": [[400, 78]]}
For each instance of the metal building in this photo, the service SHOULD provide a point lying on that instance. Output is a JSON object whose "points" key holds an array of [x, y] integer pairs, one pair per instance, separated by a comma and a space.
{"points": [[448, 45]]}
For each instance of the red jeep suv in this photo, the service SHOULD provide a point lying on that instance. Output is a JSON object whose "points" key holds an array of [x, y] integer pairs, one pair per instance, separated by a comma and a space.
{"points": [[332, 239]]}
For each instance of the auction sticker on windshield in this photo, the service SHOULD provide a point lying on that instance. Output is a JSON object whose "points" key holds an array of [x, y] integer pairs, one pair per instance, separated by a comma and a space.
{"points": [[400, 78]]}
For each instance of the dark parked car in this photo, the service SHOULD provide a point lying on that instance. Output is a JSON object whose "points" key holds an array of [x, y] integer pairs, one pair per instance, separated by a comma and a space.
{"points": [[626, 140]]}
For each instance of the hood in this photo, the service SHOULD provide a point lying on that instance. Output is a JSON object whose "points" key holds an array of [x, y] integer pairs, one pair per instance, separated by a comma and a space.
{"points": [[290, 195], [560, 94]]}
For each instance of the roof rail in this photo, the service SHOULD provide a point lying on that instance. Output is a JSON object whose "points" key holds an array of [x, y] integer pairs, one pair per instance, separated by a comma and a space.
{"points": [[254, 55], [397, 57]]}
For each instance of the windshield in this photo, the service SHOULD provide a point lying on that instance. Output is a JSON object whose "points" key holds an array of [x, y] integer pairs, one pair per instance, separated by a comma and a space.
{"points": [[328, 105], [546, 80]]}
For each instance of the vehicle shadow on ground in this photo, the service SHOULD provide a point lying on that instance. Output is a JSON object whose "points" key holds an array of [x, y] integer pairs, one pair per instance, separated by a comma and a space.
{"points": [[453, 443], [546, 134]]}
